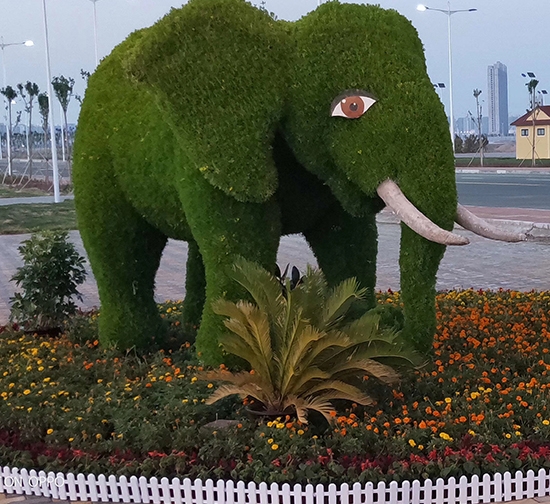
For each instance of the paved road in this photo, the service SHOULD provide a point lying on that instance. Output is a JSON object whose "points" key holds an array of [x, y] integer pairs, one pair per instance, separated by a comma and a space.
{"points": [[530, 190]]}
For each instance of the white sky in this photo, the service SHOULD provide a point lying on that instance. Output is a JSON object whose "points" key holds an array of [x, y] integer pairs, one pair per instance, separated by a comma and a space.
{"points": [[514, 32]]}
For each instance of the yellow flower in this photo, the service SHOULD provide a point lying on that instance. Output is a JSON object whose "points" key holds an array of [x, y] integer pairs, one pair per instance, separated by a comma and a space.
{"points": [[185, 401], [471, 432], [26, 391], [270, 424], [448, 400], [98, 436], [194, 379], [46, 380], [71, 439], [445, 436], [210, 385], [300, 432], [270, 440], [420, 446], [49, 431], [280, 426], [41, 368], [546, 422], [412, 442], [274, 446], [517, 433], [507, 436]]}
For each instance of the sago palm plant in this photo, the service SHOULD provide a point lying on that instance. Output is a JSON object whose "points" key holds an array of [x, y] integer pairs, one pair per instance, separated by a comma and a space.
{"points": [[303, 347]]}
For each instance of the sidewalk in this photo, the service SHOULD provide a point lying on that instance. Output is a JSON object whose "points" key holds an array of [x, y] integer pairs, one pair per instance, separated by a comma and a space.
{"points": [[484, 264]]}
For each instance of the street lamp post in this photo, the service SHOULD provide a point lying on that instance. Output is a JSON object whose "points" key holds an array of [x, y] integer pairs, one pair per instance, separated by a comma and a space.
{"points": [[95, 33], [55, 168], [449, 13], [3, 45]]}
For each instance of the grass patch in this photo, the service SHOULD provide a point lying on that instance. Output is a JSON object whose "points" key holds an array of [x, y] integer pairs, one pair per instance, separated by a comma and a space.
{"points": [[463, 162], [27, 218], [481, 406], [16, 192]]}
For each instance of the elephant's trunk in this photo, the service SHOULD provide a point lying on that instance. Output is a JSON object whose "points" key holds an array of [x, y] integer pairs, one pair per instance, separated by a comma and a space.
{"points": [[481, 227], [394, 198]]}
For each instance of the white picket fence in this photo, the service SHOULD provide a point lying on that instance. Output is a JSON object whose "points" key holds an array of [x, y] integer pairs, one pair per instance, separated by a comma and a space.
{"points": [[489, 488]]}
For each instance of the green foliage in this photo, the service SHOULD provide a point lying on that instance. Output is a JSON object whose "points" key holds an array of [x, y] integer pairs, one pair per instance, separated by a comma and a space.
{"points": [[471, 143], [303, 348], [9, 93], [213, 127], [63, 89], [49, 277], [44, 109]]}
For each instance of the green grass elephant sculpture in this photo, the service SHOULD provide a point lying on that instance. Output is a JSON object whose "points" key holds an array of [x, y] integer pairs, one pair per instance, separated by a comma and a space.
{"points": [[227, 129]]}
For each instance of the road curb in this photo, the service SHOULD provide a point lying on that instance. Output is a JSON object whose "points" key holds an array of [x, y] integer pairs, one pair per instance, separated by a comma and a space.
{"points": [[504, 170]]}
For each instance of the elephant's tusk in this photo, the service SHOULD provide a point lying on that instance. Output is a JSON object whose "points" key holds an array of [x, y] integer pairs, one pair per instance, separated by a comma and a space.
{"points": [[477, 225], [395, 199]]}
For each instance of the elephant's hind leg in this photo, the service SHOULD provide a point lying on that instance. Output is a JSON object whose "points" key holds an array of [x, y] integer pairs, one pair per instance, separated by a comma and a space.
{"points": [[195, 287], [124, 252]]}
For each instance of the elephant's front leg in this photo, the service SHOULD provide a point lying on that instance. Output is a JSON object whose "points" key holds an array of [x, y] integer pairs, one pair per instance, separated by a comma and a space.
{"points": [[224, 229], [419, 261]]}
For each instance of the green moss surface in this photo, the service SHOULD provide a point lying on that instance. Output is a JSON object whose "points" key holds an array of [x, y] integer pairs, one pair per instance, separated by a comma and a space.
{"points": [[213, 127]]}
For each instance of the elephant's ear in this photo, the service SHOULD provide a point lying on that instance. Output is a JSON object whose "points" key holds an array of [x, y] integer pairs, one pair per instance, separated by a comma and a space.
{"points": [[217, 70]]}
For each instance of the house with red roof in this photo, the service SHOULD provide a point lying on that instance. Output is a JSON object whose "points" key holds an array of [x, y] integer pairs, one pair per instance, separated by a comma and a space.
{"points": [[533, 130]]}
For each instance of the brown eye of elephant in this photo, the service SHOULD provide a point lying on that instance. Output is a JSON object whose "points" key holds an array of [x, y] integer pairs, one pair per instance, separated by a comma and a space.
{"points": [[353, 107], [351, 104]]}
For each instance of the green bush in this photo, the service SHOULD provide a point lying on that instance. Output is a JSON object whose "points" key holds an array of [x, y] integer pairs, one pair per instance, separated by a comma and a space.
{"points": [[52, 271]]}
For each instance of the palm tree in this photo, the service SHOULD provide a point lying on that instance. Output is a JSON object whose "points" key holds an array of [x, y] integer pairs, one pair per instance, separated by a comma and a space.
{"points": [[303, 345], [63, 89], [28, 92], [10, 94]]}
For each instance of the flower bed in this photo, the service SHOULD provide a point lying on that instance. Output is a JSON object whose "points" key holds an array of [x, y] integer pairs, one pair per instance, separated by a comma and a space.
{"points": [[68, 405]]}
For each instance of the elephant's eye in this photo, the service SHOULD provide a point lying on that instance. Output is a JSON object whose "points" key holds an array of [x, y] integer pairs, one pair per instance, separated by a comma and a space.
{"points": [[351, 105]]}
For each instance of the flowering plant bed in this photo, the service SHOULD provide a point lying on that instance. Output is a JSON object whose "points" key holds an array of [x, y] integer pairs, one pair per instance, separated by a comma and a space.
{"points": [[68, 405]]}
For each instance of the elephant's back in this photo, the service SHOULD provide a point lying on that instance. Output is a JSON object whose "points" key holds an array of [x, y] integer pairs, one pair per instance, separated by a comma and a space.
{"points": [[122, 138]]}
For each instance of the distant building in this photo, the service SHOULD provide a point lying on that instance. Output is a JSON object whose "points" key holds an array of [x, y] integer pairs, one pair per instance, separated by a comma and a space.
{"points": [[468, 126], [533, 125], [497, 84]]}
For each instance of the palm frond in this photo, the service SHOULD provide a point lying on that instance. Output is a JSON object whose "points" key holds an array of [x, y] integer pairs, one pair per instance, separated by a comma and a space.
{"points": [[311, 294], [242, 391], [339, 302], [396, 354], [264, 288], [240, 379], [337, 389], [303, 404], [259, 328], [299, 379], [353, 366], [324, 348], [295, 352]]}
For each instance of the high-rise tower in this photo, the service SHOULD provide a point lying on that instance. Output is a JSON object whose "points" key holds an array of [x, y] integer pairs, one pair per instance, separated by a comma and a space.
{"points": [[497, 85]]}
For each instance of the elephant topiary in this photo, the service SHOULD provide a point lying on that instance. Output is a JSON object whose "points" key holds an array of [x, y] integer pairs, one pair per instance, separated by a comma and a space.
{"points": [[226, 128]]}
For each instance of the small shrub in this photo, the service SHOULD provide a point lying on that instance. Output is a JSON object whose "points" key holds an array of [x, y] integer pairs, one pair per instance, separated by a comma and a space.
{"points": [[49, 277], [302, 348]]}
